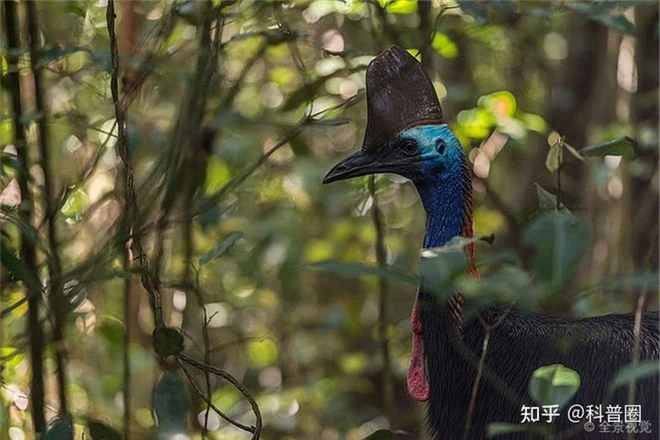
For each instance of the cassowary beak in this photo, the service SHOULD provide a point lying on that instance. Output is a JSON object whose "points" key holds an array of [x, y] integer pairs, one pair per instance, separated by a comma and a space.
{"points": [[357, 164]]}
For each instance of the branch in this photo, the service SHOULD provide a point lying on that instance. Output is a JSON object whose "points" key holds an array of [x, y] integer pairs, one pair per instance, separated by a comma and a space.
{"points": [[383, 297], [56, 295], [28, 247], [256, 430], [133, 213], [480, 369]]}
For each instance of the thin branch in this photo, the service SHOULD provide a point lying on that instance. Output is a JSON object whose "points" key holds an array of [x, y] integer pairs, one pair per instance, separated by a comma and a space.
{"points": [[637, 331], [126, 344], [256, 433], [210, 404], [56, 294], [481, 368], [28, 247], [475, 385], [133, 211], [383, 300]]}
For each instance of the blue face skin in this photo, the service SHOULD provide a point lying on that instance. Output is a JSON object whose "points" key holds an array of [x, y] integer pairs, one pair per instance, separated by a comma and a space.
{"points": [[438, 177]]}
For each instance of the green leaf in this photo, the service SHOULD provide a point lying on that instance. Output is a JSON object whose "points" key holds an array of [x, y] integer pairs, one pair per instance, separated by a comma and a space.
{"points": [[495, 429], [399, 6], [617, 22], [100, 431], [457, 243], [476, 9], [553, 385], [575, 153], [444, 45], [221, 247], [364, 270], [553, 159], [60, 429], [622, 146], [171, 404], [441, 266], [507, 284], [167, 341], [547, 200], [559, 240], [635, 372]]}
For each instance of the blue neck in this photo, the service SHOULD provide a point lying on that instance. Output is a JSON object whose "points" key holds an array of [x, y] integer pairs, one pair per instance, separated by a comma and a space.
{"points": [[442, 197]]}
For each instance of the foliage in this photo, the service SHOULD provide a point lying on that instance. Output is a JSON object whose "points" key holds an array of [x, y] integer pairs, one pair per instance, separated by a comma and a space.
{"points": [[234, 111]]}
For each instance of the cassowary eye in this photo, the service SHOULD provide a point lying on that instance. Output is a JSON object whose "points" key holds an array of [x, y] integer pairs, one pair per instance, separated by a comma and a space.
{"points": [[440, 147], [409, 147]]}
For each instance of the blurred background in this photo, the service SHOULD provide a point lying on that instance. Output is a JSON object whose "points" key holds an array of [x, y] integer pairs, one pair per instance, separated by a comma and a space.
{"points": [[235, 111]]}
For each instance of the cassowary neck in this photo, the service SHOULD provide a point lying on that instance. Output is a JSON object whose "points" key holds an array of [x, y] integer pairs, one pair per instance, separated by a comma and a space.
{"points": [[447, 200]]}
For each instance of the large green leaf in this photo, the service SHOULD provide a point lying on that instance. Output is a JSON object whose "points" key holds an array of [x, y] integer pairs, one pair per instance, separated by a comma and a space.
{"points": [[363, 270], [622, 146], [634, 372], [442, 266], [507, 284], [171, 404], [553, 385], [559, 240]]}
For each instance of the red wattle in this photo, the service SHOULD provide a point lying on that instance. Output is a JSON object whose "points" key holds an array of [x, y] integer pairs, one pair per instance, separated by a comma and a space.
{"points": [[418, 386]]}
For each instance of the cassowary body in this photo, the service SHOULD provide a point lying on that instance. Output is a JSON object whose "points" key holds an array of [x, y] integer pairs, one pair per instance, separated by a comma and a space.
{"points": [[406, 135]]}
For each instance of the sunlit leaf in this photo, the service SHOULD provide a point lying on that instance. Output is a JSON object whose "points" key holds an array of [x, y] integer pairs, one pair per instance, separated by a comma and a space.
{"points": [[553, 385], [444, 45], [399, 6], [622, 146], [75, 205], [262, 353], [575, 153], [553, 158], [635, 372]]}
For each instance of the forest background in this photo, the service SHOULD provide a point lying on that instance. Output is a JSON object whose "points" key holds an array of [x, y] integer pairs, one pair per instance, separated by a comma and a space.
{"points": [[202, 131]]}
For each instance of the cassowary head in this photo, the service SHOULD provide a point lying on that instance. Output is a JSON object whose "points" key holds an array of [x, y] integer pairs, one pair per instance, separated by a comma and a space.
{"points": [[405, 133]]}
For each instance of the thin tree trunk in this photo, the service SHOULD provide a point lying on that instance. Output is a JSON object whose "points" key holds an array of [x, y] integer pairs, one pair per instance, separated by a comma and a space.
{"points": [[28, 252]]}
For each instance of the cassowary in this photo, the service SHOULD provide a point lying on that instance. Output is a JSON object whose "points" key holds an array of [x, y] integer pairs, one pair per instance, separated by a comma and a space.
{"points": [[406, 135]]}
